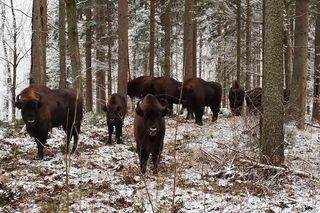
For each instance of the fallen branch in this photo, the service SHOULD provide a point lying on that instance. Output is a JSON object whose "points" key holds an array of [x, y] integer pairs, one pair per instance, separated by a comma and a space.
{"points": [[310, 124], [214, 158], [277, 168]]}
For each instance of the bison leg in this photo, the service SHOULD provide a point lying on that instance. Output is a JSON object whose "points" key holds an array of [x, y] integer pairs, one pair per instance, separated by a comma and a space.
{"points": [[119, 133], [75, 134], [40, 145], [199, 114], [155, 160], [214, 115], [143, 161], [110, 131]]}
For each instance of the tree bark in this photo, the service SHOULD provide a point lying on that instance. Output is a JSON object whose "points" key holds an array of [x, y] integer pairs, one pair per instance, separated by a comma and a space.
{"points": [[88, 48], [299, 75], [73, 44], [100, 54], [188, 40], [166, 22], [62, 45], [272, 134], [123, 57], [152, 38], [238, 2], [110, 41], [38, 42], [316, 86], [248, 46]]}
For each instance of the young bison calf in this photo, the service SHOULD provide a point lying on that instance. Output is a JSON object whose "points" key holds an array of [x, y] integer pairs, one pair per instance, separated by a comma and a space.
{"points": [[149, 130], [116, 110]]}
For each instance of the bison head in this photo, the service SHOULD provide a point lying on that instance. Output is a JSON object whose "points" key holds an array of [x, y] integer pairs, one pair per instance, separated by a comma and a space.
{"points": [[29, 103], [152, 110], [114, 114]]}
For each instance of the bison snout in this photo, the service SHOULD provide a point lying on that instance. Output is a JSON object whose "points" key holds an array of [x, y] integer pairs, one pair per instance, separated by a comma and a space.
{"points": [[30, 122], [153, 131]]}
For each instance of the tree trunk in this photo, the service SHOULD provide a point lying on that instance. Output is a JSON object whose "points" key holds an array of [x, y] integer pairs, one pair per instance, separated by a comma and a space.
{"points": [[248, 46], [166, 22], [316, 86], [100, 54], [7, 63], [299, 75], [62, 45], [15, 60], [194, 46], [188, 40], [152, 39], [73, 44], [38, 42], [110, 41], [123, 57], [288, 47], [238, 41], [272, 134], [88, 48]]}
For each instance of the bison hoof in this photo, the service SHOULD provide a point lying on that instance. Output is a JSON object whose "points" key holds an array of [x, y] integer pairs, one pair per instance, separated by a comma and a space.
{"points": [[199, 123], [120, 141]]}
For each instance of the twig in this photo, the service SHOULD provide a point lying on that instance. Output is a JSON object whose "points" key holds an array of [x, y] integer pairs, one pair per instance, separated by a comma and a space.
{"points": [[211, 156], [310, 124], [277, 168]]}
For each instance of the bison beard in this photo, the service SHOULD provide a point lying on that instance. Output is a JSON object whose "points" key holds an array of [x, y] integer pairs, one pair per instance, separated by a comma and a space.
{"points": [[43, 108], [149, 130], [116, 111]]}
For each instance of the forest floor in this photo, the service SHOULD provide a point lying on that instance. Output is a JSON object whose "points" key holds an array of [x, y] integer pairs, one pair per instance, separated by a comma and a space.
{"points": [[210, 168]]}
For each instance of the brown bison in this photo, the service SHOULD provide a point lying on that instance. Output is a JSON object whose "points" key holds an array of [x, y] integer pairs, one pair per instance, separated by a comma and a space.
{"points": [[198, 93], [43, 108], [253, 99], [236, 98], [149, 130], [135, 87], [116, 110], [164, 88]]}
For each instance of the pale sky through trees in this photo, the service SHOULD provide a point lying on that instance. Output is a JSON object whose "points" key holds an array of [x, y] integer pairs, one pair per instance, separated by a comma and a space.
{"points": [[23, 16]]}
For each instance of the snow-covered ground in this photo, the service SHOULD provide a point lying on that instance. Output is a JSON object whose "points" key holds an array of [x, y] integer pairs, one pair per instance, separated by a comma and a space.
{"points": [[214, 169]]}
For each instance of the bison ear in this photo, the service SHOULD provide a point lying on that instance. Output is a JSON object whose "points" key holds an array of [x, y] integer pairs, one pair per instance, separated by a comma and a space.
{"points": [[17, 104], [139, 110], [165, 109], [105, 108]]}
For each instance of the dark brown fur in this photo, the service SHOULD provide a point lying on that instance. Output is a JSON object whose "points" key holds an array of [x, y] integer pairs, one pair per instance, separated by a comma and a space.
{"points": [[43, 108], [198, 93], [254, 96], [236, 98], [135, 87], [253, 100], [116, 110], [165, 88], [149, 130]]}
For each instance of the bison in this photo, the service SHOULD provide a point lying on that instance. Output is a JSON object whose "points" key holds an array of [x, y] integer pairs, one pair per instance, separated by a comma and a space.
{"points": [[149, 130], [165, 88], [116, 110], [43, 108], [135, 87], [198, 93], [253, 99], [236, 98]]}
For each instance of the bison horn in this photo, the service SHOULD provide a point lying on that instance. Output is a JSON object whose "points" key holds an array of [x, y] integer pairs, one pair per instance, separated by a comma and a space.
{"points": [[139, 110]]}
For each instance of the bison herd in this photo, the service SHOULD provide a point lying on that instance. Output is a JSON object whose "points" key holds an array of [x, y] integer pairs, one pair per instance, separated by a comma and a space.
{"points": [[43, 108]]}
